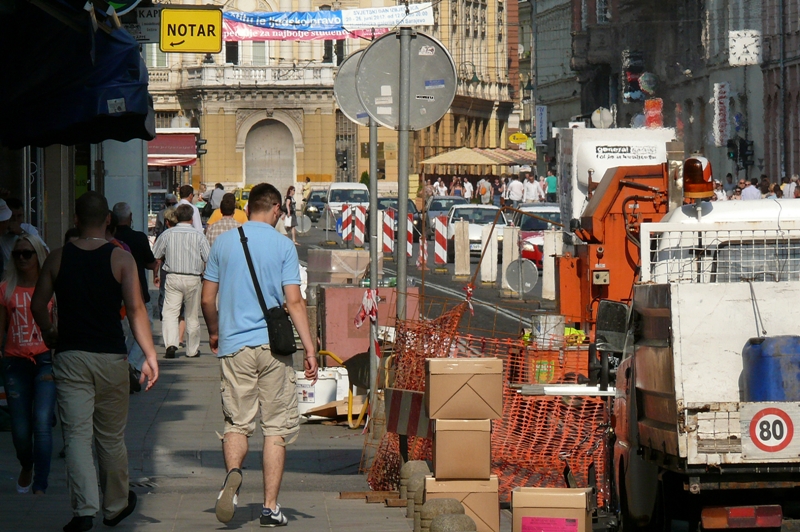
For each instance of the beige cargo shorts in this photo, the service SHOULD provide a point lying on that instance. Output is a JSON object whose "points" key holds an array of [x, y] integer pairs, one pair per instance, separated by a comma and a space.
{"points": [[253, 379]]}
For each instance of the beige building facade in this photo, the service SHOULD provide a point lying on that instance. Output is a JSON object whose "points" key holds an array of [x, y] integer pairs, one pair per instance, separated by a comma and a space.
{"points": [[268, 111]]}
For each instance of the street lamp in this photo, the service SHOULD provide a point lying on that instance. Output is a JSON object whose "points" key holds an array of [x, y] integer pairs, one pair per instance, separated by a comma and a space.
{"points": [[464, 72]]}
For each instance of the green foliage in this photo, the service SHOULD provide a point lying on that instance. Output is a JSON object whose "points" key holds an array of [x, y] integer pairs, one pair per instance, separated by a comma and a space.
{"points": [[365, 177]]}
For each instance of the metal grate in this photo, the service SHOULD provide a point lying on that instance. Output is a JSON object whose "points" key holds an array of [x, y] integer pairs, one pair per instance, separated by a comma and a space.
{"points": [[721, 253]]}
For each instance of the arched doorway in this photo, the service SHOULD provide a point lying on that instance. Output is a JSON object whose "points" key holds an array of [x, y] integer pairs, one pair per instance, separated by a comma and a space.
{"points": [[270, 155]]}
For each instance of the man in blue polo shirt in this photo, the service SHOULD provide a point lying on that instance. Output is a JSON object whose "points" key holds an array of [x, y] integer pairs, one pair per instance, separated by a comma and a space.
{"points": [[253, 377]]}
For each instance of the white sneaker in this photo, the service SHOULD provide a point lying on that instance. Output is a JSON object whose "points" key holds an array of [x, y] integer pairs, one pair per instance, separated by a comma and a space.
{"points": [[228, 497], [273, 518]]}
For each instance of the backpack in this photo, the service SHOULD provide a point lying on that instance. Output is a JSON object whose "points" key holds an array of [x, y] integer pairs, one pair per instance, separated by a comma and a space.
{"points": [[483, 190]]}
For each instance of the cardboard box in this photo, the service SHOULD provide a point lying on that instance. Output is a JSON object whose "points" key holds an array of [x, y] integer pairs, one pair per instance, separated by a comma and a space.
{"points": [[464, 388], [479, 498], [462, 449], [551, 510]]}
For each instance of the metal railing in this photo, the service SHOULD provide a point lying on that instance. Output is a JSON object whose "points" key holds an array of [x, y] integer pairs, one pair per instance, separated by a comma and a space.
{"points": [[230, 75], [720, 252]]}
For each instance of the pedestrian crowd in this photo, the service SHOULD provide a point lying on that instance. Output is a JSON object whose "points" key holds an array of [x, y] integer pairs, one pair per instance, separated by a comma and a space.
{"points": [[76, 337], [755, 188], [498, 190]]}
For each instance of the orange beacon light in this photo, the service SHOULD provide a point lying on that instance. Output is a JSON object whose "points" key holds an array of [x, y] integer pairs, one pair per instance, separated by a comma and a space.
{"points": [[697, 178]]}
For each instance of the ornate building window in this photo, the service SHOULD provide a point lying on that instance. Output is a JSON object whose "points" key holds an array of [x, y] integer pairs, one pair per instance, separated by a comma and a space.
{"points": [[603, 12]]}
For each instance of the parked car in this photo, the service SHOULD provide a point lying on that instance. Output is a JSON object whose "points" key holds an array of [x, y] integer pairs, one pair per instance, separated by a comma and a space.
{"points": [[391, 203], [439, 206], [478, 217], [315, 204], [531, 236]]}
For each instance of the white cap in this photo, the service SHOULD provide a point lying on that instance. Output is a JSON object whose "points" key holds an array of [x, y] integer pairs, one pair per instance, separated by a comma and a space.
{"points": [[5, 212]]}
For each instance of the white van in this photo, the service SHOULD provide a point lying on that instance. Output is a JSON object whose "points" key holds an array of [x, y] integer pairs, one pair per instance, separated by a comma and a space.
{"points": [[346, 194]]}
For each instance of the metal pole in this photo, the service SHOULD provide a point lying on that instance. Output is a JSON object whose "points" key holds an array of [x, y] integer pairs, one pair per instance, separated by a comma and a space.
{"points": [[373, 255], [402, 170], [782, 102]]}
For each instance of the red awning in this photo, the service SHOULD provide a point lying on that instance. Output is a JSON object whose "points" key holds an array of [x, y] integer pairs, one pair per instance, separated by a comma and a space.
{"points": [[172, 149]]}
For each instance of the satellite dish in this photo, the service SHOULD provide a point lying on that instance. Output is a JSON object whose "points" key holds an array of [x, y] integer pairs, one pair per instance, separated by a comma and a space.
{"points": [[303, 224], [522, 273], [344, 90], [602, 118], [433, 81]]}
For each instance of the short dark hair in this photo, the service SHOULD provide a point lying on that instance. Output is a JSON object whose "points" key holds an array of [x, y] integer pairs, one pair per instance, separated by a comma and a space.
{"points": [[185, 191], [14, 203], [71, 233], [219, 185], [754, 182], [227, 205], [263, 197], [184, 213], [91, 209]]}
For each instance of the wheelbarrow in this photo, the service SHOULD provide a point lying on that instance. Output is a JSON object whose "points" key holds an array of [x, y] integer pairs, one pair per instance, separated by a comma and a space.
{"points": [[358, 375]]}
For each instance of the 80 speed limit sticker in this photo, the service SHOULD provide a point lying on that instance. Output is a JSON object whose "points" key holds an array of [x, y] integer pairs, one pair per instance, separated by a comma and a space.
{"points": [[768, 432]]}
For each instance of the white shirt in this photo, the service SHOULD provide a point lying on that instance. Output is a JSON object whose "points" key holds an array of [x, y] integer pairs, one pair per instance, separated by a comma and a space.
{"points": [[721, 196], [750, 193], [788, 190], [515, 190], [439, 189], [468, 190], [533, 191], [197, 223]]}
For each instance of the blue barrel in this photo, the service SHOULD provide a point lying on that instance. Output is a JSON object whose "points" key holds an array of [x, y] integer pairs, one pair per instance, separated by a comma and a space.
{"points": [[771, 369]]}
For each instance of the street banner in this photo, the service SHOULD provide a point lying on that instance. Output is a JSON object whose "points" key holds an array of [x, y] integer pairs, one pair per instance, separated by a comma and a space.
{"points": [[322, 25], [541, 124], [722, 125]]}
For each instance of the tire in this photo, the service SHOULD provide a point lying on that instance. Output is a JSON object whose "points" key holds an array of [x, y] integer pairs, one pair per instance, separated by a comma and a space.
{"points": [[658, 521]]}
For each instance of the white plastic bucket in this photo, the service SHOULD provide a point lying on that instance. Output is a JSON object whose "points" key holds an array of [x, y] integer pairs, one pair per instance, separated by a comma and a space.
{"points": [[313, 395]]}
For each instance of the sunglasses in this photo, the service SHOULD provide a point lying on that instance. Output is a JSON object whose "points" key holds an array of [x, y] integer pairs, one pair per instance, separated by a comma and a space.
{"points": [[25, 254]]}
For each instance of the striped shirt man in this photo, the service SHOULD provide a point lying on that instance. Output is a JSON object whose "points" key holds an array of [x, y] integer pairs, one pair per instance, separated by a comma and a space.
{"points": [[184, 249]]}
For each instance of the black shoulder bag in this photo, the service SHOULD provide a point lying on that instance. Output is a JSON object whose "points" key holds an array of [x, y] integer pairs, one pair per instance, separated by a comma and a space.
{"points": [[279, 328]]}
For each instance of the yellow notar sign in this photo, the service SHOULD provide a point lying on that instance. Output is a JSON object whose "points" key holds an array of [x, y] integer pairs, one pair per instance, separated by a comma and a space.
{"points": [[191, 30]]}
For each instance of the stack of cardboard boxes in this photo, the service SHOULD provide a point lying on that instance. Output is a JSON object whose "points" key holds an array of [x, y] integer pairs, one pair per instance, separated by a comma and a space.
{"points": [[462, 396]]}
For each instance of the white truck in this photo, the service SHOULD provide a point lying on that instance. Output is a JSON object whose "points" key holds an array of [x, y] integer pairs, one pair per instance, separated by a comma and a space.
{"points": [[585, 154], [693, 443]]}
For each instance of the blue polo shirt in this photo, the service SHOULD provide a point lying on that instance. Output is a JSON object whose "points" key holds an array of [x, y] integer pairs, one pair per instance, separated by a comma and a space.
{"points": [[241, 321]]}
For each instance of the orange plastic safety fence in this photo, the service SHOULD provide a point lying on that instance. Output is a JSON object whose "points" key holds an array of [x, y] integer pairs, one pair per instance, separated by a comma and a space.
{"points": [[538, 435]]}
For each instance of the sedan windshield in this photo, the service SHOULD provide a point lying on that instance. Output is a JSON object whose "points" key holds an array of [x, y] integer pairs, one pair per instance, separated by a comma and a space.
{"points": [[317, 195], [391, 203], [443, 205], [350, 196], [477, 216], [529, 223]]}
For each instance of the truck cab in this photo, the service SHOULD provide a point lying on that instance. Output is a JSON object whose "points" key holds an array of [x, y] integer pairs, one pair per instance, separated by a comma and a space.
{"points": [[718, 285]]}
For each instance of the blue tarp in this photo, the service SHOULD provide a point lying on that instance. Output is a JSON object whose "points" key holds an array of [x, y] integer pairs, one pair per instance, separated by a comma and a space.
{"points": [[67, 87]]}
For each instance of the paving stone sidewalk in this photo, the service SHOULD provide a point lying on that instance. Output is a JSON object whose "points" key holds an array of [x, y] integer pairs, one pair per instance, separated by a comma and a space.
{"points": [[176, 467]]}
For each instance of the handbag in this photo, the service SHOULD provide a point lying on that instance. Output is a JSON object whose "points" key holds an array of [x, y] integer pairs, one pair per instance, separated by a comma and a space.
{"points": [[279, 328], [208, 210]]}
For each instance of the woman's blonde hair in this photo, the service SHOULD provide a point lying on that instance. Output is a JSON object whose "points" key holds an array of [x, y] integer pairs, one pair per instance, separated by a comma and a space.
{"points": [[10, 275]]}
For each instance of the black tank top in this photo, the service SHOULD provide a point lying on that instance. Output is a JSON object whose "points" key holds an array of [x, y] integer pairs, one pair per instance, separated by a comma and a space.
{"points": [[89, 300]]}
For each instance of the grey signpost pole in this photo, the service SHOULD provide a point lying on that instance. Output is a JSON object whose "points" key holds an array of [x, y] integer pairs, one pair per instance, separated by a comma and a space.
{"points": [[402, 170], [374, 250]]}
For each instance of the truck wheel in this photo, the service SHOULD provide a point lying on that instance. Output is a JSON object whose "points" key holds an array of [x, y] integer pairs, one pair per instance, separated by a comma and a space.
{"points": [[658, 520]]}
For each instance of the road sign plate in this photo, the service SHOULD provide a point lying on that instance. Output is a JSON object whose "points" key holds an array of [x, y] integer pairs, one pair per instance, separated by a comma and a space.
{"points": [[769, 431], [191, 30]]}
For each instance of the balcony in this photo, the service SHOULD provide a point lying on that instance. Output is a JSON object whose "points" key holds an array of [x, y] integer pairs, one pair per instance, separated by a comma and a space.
{"points": [[207, 76], [596, 45]]}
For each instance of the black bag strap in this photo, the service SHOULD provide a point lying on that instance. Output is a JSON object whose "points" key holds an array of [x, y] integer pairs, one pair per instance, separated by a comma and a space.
{"points": [[253, 273]]}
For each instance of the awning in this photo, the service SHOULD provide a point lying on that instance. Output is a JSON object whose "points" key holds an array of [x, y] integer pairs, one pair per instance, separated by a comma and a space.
{"points": [[172, 149], [482, 156]]}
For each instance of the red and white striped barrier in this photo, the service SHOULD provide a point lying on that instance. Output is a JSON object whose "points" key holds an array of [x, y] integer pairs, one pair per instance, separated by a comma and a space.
{"points": [[388, 231], [440, 240], [361, 224], [422, 259], [410, 231], [347, 223]]}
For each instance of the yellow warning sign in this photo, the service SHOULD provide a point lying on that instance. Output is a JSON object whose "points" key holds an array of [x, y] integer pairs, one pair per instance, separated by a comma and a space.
{"points": [[191, 30], [518, 138]]}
